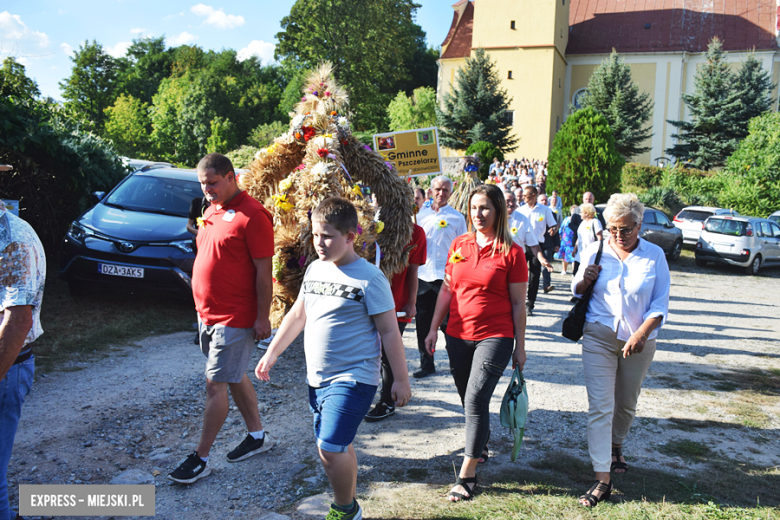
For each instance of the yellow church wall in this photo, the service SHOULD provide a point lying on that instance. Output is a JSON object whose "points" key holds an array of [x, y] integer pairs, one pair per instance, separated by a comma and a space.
{"points": [[535, 23], [558, 101]]}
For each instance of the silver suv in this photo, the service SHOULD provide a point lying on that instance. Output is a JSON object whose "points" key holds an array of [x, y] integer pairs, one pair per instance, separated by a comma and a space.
{"points": [[691, 220], [748, 242]]}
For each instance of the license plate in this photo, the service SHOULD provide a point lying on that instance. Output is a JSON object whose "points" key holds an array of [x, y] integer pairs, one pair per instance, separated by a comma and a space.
{"points": [[121, 270], [723, 248]]}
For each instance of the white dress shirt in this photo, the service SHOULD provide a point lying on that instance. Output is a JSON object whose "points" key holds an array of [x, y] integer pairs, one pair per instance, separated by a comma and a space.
{"points": [[439, 239], [586, 235], [541, 217], [627, 292], [522, 231]]}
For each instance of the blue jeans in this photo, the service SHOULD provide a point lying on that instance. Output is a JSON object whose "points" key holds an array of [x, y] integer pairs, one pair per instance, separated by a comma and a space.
{"points": [[13, 389], [338, 410]]}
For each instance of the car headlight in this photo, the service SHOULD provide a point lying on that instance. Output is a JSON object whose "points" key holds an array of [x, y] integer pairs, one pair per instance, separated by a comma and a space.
{"points": [[184, 245], [78, 232]]}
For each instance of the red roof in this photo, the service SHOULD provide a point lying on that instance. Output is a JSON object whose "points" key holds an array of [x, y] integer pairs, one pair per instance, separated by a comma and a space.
{"points": [[458, 41], [598, 26]]}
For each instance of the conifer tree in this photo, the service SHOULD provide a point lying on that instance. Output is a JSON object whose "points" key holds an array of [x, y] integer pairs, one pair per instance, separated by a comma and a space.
{"points": [[716, 107], [756, 86], [476, 108], [613, 94]]}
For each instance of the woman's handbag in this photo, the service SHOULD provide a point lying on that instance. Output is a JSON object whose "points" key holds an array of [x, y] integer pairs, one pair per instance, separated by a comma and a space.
{"points": [[575, 321], [514, 409]]}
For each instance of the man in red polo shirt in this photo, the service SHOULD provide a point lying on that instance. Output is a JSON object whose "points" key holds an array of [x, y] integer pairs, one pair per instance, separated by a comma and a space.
{"points": [[232, 288]]}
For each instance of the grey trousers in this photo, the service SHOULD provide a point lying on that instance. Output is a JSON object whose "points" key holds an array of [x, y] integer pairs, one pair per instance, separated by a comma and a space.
{"points": [[613, 383]]}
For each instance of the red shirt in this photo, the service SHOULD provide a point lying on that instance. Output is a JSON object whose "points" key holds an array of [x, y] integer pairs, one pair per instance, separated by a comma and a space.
{"points": [[480, 306], [416, 256], [224, 275]]}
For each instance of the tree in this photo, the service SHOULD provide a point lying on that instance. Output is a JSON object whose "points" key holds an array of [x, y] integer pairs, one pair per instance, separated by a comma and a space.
{"points": [[476, 109], [128, 126], [265, 134], [756, 86], [91, 87], [222, 137], [613, 94], [583, 158], [753, 184], [416, 111], [371, 45], [716, 111], [14, 80], [146, 63]]}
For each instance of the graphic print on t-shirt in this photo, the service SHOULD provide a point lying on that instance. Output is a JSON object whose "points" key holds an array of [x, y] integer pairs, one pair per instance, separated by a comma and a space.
{"points": [[333, 289]]}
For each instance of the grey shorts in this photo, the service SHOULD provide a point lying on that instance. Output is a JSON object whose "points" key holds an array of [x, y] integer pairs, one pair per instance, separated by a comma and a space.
{"points": [[228, 351]]}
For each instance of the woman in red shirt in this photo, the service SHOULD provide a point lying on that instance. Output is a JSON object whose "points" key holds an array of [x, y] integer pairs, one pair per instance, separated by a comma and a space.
{"points": [[484, 291]]}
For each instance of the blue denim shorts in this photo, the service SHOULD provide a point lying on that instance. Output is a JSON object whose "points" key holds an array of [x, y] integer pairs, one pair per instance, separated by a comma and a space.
{"points": [[338, 410]]}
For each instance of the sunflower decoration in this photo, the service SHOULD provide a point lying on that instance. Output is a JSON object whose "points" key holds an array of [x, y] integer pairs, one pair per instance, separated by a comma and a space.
{"points": [[514, 230], [456, 257]]}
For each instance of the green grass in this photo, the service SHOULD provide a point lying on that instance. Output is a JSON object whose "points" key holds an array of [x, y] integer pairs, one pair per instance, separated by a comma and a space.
{"points": [[78, 329], [686, 449], [550, 487]]}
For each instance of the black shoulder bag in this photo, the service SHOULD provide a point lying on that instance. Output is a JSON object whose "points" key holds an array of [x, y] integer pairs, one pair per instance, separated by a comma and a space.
{"points": [[575, 321]]}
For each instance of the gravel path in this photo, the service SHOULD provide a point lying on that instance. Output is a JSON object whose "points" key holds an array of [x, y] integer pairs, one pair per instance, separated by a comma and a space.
{"points": [[140, 408]]}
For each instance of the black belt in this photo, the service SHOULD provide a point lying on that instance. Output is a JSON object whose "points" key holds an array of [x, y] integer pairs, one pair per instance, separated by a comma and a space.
{"points": [[21, 358]]}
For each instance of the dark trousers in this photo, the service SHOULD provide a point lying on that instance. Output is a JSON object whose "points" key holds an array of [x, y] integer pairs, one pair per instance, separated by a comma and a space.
{"points": [[534, 270], [427, 293], [387, 373], [476, 367], [548, 252]]}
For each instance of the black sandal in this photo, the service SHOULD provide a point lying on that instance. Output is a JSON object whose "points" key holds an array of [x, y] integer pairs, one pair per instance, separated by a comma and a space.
{"points": [[617, 466], [593, 500], [485, 452], [470, 490]]}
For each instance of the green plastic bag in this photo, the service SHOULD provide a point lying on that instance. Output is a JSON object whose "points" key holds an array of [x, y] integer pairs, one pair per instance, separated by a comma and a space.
{"points": [[514, 409]]}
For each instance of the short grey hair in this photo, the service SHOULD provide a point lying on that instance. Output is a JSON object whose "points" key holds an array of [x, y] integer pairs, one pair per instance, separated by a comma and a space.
{"points": [[442, 179], [622, 205]]}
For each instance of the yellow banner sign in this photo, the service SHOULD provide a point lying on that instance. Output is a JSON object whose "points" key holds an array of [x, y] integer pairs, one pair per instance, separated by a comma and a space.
{"points": [[412, 152]]}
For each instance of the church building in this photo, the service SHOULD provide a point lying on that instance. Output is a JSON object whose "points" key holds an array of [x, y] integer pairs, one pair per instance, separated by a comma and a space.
{"points": [[546, 50]]}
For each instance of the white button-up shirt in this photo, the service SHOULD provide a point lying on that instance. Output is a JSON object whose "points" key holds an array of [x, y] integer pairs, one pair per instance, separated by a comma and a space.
{"points": [[541, 217], [522, 231], [627, 292], [439, 238]]}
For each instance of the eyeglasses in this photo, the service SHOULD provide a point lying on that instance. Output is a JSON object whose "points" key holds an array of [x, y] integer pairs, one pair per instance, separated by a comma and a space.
{"points": [[623, 230]]}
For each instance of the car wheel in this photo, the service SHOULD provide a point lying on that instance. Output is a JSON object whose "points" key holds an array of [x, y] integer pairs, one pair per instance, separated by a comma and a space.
{"points": [[700, 262], [675, 252], [754, 266]]}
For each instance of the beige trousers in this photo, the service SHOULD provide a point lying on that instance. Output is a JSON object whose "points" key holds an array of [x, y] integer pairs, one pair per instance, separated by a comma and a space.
{"points": [[613, 383]]}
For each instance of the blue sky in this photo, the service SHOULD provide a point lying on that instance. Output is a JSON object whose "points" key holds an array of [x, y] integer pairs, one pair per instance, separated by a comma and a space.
{"points": [[43, 34]]}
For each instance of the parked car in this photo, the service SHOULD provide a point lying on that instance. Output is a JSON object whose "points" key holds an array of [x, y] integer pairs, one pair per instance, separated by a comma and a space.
{"points": [[748, 242], [659, 230], [136, 236], [775, 216], [137, 164], [690, 220]]}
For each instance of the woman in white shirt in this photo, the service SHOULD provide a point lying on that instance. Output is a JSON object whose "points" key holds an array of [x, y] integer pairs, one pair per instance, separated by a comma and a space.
{"points": [[630, 302], [588, 232]]}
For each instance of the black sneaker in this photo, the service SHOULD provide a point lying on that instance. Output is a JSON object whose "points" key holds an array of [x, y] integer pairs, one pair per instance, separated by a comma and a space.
{"points": [[192, 469], [380, 411], [423, 372], [529, 311], [248, 447]]}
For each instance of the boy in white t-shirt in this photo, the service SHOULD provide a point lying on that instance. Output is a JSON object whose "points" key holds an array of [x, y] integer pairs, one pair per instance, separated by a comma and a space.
{"points": [[346, 306]]}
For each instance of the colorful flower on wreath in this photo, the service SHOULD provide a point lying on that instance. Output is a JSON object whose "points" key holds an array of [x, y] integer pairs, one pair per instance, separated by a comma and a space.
{"points": [[360, 230], [456, 257], [389, 164], [323, 152], [286, 184], [357, 191], [327, 93], [298, 120], [277, 267], [379, 226], [302, 261], [343, 122], [368, 148], [308, 132], [319, 170], [442, 224], [281, 202], [333, 113], [300, 167]]}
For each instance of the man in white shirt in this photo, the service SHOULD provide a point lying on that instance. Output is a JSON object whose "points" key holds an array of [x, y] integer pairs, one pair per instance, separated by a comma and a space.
{"points": [[522, 232], [545, 226], [442, 224]]}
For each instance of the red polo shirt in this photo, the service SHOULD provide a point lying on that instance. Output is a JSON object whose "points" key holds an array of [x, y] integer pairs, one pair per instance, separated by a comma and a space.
{"points": [[417, 256], [480, 306], [224, 275]]}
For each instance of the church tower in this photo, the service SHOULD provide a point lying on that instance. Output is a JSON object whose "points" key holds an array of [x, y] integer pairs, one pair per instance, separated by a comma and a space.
{"points": [[526, 39]]}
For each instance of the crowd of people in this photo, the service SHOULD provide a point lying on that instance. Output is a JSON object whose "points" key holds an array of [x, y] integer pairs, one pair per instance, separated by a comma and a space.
{"points": [[475, 278]]}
